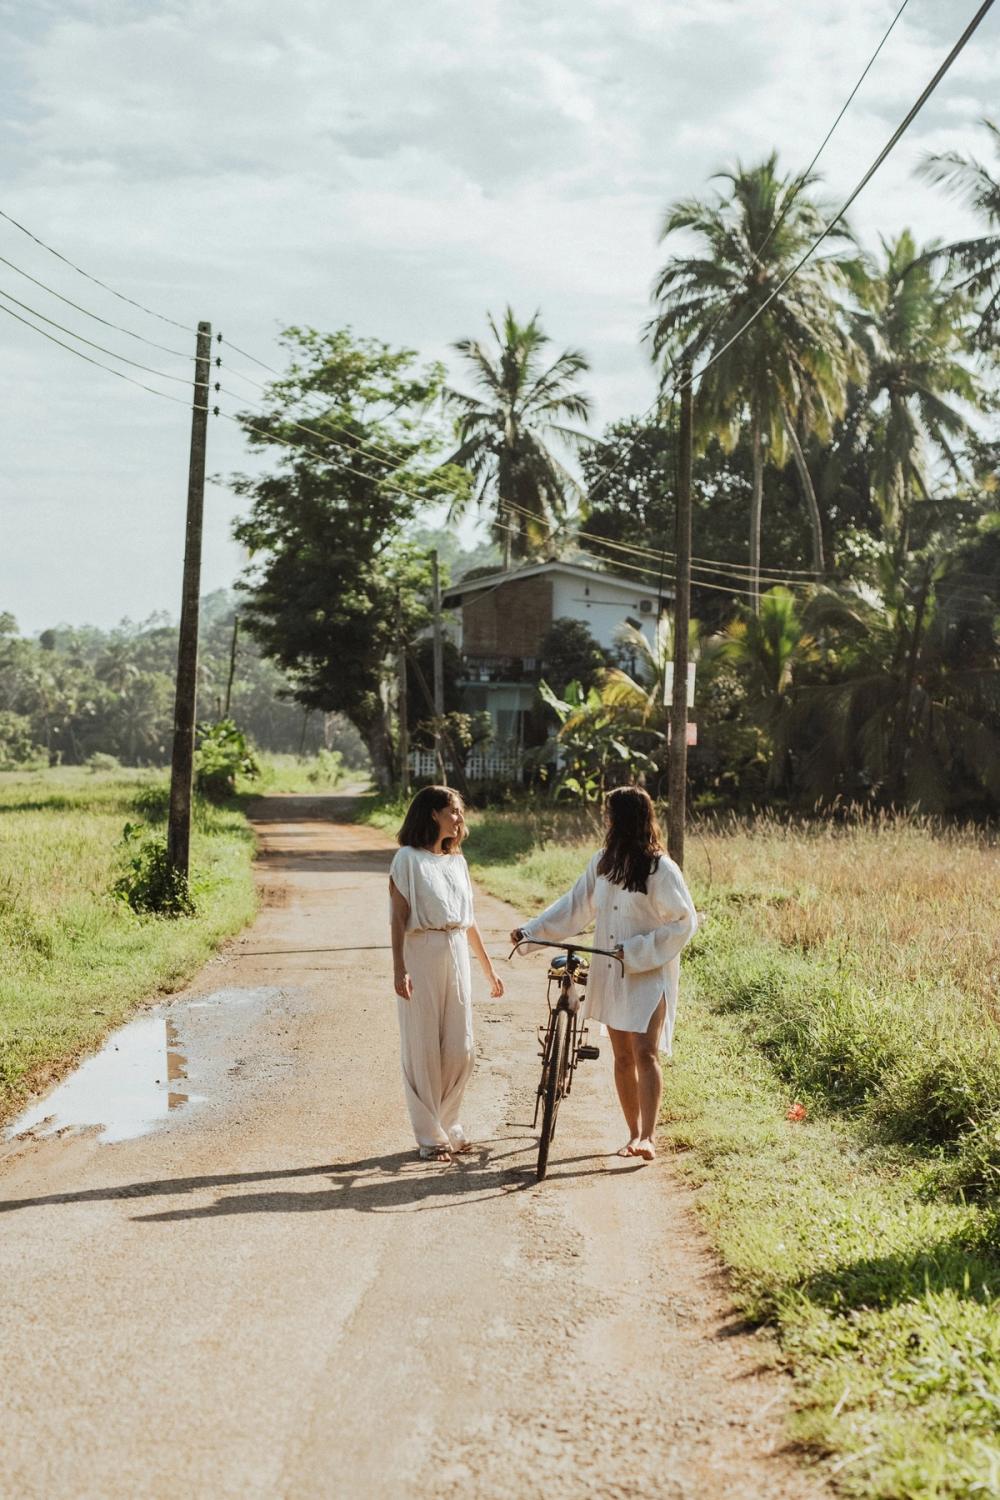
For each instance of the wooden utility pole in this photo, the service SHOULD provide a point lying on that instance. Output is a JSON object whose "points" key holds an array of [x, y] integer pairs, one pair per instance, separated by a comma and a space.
{"points": [[677, 775], [403, 707], [438, 671], [182, 756]]}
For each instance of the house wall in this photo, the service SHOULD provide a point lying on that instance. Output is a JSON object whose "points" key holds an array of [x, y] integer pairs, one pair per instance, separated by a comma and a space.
{"points": [[601, 603], [509, 620]]}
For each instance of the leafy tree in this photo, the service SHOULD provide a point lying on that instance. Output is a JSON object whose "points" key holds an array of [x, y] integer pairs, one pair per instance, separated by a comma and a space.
{"points": [[569, 653], [331, 590], [977, 259], [631, 475], [911, 715], [505, 432], [787, 374], [600, 743]]}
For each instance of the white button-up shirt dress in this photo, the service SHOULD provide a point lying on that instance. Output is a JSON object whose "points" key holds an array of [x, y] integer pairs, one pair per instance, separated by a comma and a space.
{"points": [[651, 927]]}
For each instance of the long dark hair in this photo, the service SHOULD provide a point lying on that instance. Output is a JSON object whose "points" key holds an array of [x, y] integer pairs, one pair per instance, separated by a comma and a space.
{"points": [[633, 843], [419, 829]]}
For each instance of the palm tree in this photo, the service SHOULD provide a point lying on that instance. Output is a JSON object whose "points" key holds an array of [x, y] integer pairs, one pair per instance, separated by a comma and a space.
{"points": [[769, 647], [912, 716], [978, 258], [913, 324], [788, 373], [504, 433]]}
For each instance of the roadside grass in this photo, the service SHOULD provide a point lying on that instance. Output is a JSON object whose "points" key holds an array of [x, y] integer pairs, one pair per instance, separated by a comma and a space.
{"points": [[853, 970], [318, 774], [76, 960]]}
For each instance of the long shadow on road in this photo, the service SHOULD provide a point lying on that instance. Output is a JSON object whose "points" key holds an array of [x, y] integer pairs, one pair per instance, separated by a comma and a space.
{"points": [[376, 1184]]}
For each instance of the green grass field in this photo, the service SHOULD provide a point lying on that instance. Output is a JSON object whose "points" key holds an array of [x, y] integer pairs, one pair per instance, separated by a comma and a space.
{"points": [[76, 960], [853, 971]]}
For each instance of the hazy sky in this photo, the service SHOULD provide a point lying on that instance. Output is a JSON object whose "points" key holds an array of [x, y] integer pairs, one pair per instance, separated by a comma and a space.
{"points": [[399, 166]]}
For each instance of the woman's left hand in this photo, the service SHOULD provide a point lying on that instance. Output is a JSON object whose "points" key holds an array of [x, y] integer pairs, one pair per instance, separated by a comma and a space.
{"points": [[496, 984]]}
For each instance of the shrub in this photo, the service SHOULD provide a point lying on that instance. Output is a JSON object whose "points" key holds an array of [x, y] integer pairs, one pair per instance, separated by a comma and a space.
{"points": [[223, 754], [99, 761], [149, 883], [327, 768]]}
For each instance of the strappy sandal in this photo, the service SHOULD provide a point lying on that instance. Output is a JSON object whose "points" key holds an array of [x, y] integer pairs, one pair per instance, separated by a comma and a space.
{"points": [[434, 1153]]}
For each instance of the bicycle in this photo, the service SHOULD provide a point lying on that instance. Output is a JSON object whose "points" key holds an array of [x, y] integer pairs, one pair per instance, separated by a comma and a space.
{"points": [[564, 1040]]}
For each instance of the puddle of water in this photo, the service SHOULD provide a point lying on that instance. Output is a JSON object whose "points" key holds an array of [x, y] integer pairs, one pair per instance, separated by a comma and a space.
{"points": [[127, 1088], [140, 1074]]}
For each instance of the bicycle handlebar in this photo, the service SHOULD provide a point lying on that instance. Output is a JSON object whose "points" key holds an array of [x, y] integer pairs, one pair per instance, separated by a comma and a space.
{"points": [[569, 947]]}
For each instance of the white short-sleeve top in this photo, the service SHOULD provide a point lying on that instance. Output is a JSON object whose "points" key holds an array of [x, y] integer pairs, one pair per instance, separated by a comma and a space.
{"points": [[437, 887]]}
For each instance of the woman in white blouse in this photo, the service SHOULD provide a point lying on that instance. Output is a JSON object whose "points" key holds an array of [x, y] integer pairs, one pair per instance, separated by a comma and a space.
{"points": [[642, 909], [432, 927]]}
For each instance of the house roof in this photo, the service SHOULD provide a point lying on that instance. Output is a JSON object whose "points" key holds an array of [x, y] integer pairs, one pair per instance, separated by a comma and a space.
{"points": [[462, 588]]}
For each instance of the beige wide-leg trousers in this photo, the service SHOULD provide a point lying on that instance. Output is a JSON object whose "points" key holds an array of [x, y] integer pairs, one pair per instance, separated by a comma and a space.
{"points": [[435, 1029]]}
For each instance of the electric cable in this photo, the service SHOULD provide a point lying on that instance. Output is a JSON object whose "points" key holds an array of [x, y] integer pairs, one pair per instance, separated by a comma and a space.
{"points": [[78, 307], [376, 448], [828, 228], [95, 279], [99, 363], [123, 358]]}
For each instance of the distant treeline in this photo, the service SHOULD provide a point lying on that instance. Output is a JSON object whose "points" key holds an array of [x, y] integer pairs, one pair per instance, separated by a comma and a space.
{"points": [[71, 693]]}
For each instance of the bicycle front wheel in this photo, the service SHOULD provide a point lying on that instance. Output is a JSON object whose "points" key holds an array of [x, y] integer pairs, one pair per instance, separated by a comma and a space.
{"points": [[554, 1081]]}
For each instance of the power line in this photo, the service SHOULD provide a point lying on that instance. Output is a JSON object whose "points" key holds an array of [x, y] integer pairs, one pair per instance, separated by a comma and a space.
{"points": [[118, 327], [706, 564], [99, 363], [376, 448], [804, 176], [160, 374], [96, 280], [890, 145]]}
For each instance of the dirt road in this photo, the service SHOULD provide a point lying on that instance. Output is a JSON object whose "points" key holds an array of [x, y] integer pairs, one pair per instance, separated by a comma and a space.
{"points": [[267, 1295]]}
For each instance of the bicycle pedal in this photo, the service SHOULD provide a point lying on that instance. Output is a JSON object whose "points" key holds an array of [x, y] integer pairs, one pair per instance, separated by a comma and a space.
{"points": [[588, 1052]]}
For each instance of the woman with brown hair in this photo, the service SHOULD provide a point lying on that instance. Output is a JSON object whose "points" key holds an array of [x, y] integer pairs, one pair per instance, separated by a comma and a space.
{"points": [[644, 911], [432, 927]]}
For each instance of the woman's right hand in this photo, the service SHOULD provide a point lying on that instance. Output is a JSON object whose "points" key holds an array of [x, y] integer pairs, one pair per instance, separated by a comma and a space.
{"points": [[517, 934], [403, 984]]}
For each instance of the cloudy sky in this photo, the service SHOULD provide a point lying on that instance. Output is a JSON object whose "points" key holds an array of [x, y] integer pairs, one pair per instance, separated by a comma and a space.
{"points": [[400, 166]]}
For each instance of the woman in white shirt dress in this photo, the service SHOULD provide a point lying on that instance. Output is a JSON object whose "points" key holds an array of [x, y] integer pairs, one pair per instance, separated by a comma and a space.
{"points": [[643, 909], [432, 927]]}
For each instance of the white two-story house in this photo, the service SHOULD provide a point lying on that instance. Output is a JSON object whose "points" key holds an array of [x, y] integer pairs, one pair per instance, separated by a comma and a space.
{"points": [[501, 620]]}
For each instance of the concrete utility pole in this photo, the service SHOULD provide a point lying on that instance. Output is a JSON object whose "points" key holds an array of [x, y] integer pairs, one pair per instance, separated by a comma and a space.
{"points": [[404, 727], [438, 671], [677, 775], [182, 757]]}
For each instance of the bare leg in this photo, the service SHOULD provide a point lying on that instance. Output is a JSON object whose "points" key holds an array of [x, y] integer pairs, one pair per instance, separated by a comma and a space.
{"points": [[649, 1079], [627, 1084]]}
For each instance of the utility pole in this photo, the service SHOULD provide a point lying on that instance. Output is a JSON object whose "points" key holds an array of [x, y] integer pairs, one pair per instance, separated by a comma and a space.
{"points": [[438, 671], [182, 757], [232, 663], [677, 775], [404, 728]]}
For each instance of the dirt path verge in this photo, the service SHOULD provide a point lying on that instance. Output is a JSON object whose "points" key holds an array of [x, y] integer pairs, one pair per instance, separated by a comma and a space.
{"points": [[268, 1295]]}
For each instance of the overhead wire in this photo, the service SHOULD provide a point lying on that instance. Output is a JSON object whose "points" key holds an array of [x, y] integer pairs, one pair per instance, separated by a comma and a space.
{"points": [[151, 312], [683, 381], [111, 353], [78, 307], [99, 363]]}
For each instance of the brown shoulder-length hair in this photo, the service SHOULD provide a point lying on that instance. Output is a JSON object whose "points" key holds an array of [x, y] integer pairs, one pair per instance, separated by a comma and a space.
{"points": [[633, 844], [419, 829]]}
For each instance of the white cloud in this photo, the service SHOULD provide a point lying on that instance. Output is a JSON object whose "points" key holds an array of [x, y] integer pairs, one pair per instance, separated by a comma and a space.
{"points": [[400, 167]]}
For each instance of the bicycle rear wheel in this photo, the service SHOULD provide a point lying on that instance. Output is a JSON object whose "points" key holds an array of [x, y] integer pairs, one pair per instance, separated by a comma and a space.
{"points": [[554, 1081]]}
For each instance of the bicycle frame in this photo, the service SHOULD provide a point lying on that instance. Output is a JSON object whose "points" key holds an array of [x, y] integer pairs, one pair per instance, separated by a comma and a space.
{"points": [[569, 984]]}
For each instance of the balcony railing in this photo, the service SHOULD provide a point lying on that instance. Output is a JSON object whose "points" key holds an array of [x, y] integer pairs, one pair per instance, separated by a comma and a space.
{"points": [[501, 668]]}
